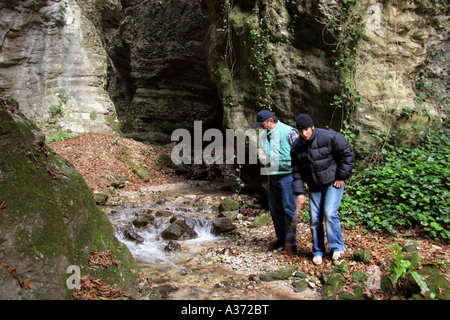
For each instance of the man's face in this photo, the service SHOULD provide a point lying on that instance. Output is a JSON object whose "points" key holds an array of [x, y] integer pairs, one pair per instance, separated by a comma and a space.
{"points": [[268, 124], [306, 133]]}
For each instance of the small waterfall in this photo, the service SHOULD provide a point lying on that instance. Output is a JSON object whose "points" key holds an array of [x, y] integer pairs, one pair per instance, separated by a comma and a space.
{"points": [[147, 245], [204, 229]]}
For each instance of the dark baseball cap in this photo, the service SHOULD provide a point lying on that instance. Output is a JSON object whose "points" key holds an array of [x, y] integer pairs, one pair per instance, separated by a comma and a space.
{"points": [[263, 116]]}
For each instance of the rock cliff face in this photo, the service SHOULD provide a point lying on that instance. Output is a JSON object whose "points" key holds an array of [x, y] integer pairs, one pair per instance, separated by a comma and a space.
{"points": [[276, 58], [53, 62], [377, 64], [161, 65], [401, 67], [158, 78]]}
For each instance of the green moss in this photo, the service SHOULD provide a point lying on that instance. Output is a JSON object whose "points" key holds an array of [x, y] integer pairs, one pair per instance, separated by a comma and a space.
{"points": [[334, 283], [437, 281], [111, 120], [51, 218], [238, 19]]}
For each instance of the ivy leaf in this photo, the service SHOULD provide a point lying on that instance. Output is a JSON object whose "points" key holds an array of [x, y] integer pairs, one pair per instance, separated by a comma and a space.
{"points": [[419, 280]]}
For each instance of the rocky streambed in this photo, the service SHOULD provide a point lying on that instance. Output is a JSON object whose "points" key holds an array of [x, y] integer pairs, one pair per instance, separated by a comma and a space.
{"points": [[198, 242], [192, 246]]}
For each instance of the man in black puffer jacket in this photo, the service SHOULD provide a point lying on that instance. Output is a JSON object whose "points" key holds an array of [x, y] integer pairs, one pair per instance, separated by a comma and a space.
{"points": [[322, 159]]}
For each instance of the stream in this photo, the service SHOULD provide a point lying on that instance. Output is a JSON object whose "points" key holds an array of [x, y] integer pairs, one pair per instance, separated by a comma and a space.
{"points": [[207, 266]]}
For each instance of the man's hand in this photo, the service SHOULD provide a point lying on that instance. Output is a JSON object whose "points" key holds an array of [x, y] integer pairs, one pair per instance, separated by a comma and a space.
{"points": [[338, 183], [300, 201]]}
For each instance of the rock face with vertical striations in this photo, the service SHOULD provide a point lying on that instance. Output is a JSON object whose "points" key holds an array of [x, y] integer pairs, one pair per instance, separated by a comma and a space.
{"points": [[53, 62], [159, 79], [380, 65]]}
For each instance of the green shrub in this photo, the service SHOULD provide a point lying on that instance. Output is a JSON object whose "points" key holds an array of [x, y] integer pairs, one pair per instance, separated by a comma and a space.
{"points": [[56, 110], [408, 186], [59, 136]]}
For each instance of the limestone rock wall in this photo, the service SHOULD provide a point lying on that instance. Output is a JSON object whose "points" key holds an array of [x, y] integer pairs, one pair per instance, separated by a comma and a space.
{"points": [[52, 59], [158, 78], [276, 58], [378, 65], [401, 71], [151, 67]]}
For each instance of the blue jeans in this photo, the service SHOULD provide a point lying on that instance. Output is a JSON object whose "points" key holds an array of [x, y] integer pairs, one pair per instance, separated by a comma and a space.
{"points": [[324, 204], [282, 205]]}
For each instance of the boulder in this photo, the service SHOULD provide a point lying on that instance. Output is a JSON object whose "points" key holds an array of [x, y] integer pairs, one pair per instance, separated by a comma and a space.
{"points": [[262, 220], [140, 223], [280, 274], [437, 281], [362, 256], [179, 230], [101, 198], [222, 225], [49, 221], [229, 205], [132, 235], [333, 284], [300, 285]]}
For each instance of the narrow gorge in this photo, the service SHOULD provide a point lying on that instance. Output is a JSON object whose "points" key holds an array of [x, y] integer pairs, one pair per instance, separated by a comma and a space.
{"points": [[140, 69]]}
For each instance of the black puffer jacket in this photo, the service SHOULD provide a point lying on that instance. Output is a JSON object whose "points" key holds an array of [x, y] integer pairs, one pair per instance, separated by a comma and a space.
{"points": [[325, 157]]}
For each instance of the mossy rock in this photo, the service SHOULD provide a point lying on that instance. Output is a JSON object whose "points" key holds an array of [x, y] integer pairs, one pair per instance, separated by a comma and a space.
{"points": [[280, 274], [300, 285], [229, 205], [363, 256], [437, 281], [333, 285], [49, 220], [341, 267], [262, 220], [358, 294], [360, 276]]}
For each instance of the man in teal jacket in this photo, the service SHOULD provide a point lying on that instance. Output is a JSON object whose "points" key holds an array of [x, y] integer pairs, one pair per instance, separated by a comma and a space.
{"points": [[276, 140]]}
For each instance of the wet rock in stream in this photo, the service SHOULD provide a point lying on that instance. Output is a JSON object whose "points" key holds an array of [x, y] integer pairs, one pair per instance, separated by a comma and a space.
{"points": [[172, 246], [179, 228], [140, 223], [163, 213], [130, 234], [222, 225]]}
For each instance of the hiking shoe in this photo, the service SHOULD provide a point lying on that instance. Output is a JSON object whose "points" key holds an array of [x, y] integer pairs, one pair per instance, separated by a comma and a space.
{"points": [[276, 245], [317, 260], [337, 255], [290, 250]]}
